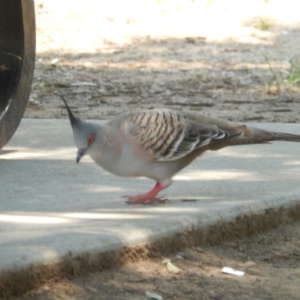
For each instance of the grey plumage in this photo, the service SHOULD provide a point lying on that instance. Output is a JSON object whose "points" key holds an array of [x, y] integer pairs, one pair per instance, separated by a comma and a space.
{"points": [[159, 143]]}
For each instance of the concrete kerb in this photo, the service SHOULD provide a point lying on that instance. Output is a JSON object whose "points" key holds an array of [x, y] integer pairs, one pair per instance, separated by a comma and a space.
{"points": [[243, 222]]}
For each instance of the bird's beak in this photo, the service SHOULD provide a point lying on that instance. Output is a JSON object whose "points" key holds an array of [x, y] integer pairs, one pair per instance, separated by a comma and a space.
{"points": [[80, 154]]}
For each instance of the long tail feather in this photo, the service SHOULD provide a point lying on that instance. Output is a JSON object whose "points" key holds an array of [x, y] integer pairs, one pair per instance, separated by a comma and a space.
{"points": [[260, 135]]}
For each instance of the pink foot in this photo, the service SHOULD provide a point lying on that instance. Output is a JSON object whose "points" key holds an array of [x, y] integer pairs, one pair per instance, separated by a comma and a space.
{"points": [[149, 197]]}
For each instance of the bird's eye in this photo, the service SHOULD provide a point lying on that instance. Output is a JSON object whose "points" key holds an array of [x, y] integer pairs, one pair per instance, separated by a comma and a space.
{"points": [[91, 139]]}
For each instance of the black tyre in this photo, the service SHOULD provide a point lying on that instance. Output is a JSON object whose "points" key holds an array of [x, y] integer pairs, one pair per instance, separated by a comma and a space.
{"points": [[17, 58]]}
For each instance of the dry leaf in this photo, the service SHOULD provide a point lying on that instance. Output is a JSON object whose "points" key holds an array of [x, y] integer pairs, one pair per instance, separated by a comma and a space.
{"points": [[153, 296], [172, 268]]}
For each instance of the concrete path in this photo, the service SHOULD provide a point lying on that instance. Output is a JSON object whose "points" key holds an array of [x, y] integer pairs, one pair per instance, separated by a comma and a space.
{"points": [[51, 207]]}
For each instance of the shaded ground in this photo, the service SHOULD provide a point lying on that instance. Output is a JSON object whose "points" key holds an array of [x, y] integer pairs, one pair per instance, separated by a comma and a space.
{"points": [[172, 53], [271, 262], [210, 56]]}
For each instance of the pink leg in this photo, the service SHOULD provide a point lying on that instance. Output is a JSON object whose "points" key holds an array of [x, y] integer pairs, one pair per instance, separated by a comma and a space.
{"points": [[149, 197]]}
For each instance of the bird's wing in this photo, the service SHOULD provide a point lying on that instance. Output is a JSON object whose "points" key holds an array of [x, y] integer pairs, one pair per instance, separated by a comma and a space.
{"points": [[166, 135]]}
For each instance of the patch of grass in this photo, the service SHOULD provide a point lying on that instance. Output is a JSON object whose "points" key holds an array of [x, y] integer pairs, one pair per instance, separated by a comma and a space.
{"points": [[283, 80], [294, 71], [44, 86], [262, 25]]}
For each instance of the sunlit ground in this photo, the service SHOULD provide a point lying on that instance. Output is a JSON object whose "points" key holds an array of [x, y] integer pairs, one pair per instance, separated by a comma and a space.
{"points": [[141, 54], [119, 21]]}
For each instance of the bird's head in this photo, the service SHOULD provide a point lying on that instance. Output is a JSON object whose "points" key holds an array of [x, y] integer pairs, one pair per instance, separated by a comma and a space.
{"points": [[85, 134]]}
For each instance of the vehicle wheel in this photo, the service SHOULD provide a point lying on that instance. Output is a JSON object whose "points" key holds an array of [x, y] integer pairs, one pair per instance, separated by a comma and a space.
{"points": [[17, 58]]}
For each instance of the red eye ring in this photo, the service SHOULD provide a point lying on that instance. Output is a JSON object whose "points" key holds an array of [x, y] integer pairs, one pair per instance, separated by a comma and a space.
{"points": [[91, 138]]}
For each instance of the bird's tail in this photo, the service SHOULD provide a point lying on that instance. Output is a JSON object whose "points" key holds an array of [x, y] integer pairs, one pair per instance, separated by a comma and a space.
{"points": [[261, 136], [252, 135]]}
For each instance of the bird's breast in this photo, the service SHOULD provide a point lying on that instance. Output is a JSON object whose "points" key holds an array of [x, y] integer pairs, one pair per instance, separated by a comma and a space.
{"points": [[124, 161]]}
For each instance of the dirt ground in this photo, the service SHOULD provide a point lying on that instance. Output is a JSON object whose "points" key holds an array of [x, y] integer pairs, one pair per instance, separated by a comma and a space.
{"points": [[221, 58], [270, 260], [208, 56]]}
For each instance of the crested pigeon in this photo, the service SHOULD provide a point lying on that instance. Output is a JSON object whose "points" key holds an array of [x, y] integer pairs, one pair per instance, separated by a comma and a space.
{"points": [[159, 143]]}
